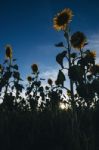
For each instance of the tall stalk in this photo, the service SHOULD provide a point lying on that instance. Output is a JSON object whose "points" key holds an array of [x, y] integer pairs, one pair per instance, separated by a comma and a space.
{"points": [[67, 36], [75, 126]]}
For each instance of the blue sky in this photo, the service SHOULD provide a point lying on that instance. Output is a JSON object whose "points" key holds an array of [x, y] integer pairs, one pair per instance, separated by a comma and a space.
{"points": [[28, 26]]}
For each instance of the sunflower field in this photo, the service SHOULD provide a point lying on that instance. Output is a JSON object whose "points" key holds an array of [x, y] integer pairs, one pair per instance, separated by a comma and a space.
{"points": [[52, 116]]}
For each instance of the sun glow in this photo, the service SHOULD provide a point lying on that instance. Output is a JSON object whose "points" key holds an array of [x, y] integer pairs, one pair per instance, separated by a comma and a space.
{"points": [[63, 106]]}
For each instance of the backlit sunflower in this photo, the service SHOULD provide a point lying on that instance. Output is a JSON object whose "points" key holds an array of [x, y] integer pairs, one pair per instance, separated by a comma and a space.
{"points": [[50, 82], [29, 78], [8, 51], [78, 40], [62, 19], [92, 54], [34, 68]]}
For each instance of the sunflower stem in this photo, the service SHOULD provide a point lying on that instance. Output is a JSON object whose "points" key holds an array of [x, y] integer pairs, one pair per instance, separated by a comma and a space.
{"points": [[81, 52], [67, 36]]}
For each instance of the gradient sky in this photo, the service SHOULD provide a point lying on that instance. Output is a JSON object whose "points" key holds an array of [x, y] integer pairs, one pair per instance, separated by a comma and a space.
{"points": [[28, 26]]}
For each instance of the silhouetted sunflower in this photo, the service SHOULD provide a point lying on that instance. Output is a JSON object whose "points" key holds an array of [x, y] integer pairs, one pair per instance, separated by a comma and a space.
{"points": [[29, 78], [50, 82], [16, 75], [62, 19], [34, 68], [8, 51], [78, 40], [92, 54]]}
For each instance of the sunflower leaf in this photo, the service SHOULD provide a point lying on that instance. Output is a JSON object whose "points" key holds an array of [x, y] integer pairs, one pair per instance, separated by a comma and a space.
{"points": [[60, 57], [61, 78], [15, 67], [59, 44]]}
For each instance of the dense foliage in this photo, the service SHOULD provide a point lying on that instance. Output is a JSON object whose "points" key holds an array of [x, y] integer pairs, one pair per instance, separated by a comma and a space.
{"points": [[53, 117]]}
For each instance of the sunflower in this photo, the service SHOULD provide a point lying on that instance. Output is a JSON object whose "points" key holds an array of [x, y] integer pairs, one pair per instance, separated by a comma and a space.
{"points": [[8, 51], [78, 40], [92, 54], [62, 19], [29, 78], [16, 75], [34, 68], [50, 82]]}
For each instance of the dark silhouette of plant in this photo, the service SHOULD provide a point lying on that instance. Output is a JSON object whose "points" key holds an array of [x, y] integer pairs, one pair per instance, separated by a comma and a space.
{"points": [[82, 93], [53, 117]]}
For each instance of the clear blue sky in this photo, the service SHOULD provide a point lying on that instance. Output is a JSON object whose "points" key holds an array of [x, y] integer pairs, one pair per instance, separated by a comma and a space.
{"points": [[27, 25]]}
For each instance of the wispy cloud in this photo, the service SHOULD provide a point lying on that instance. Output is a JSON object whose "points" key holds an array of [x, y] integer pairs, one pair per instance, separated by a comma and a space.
{"points": [[52, 73], [94, 42]]}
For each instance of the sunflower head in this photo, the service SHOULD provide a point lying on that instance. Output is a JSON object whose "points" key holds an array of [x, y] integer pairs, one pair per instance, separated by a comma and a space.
{"points": [[78, 40], [92, 54], [57, 82], [50, 82], [29, 78], [34, 68], [8, 51], [62, 19]]}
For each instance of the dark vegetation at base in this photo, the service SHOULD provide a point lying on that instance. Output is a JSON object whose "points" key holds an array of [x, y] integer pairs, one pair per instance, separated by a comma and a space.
{"points": [[49, 130]]}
